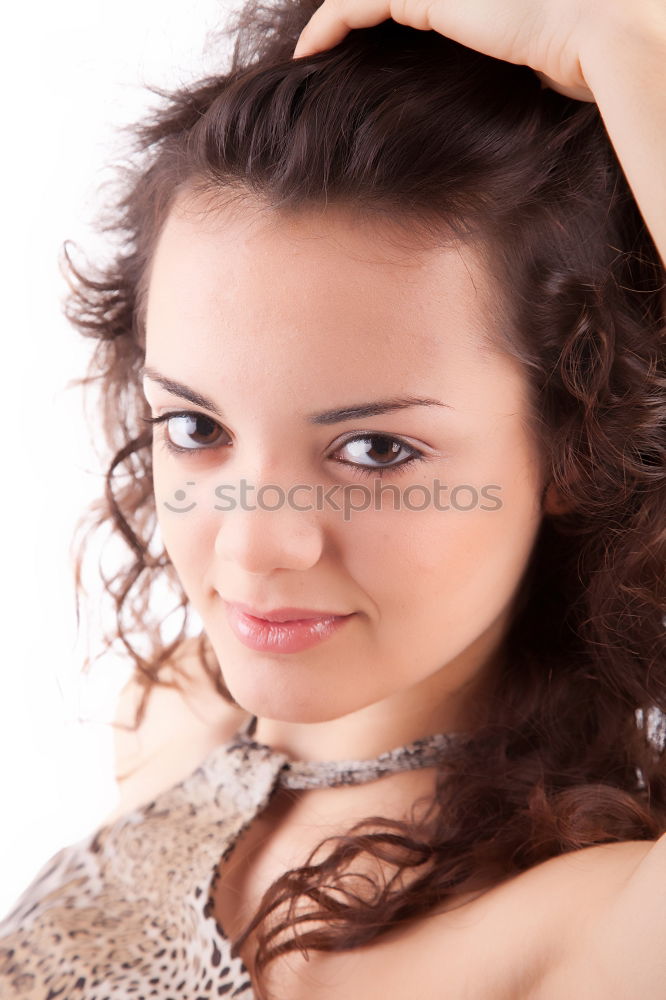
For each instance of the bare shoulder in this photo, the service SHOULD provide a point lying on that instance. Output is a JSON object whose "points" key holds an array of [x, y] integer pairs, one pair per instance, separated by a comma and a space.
{"points": [[621, 955], [535, 927], [179, 728], [532, 937]]}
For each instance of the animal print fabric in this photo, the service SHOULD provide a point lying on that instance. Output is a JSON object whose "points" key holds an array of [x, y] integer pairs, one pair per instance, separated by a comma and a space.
{"points": [[127, 912]]}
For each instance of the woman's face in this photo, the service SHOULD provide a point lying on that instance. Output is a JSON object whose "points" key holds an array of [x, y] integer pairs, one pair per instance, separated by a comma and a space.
{"points": [[273, 320]]}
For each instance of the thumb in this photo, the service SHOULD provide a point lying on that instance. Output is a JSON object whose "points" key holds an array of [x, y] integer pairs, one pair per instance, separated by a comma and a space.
{"points": [[578, 93]]}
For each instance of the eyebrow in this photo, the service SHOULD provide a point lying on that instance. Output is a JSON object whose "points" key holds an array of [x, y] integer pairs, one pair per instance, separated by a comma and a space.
{"points": [[335, 416]]}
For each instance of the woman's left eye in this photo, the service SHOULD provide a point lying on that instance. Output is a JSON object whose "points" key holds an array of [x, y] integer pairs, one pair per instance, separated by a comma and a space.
{"points": [[388, 448], [385, 447]]}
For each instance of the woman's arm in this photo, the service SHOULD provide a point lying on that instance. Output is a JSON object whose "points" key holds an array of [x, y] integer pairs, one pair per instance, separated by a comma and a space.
{"points": [[625, 67], [612, 52], [623, 956]]}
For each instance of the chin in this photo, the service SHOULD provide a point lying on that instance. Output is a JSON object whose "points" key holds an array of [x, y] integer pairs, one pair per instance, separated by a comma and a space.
{"points": [[269, 697]]}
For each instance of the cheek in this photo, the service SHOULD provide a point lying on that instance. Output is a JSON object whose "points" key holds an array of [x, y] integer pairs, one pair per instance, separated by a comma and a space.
{"points": [[435, 564], [187, 524]]}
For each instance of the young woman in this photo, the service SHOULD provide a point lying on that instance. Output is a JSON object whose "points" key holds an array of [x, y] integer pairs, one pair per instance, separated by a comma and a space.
{"points": [[392, 306]]}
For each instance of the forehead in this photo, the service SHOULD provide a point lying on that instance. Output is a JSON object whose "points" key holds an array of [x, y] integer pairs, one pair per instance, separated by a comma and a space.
{"points": [[242, 269]]}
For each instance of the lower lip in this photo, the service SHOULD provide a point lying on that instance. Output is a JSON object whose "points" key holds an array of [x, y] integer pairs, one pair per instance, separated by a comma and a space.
{"points": [[282, 637]]}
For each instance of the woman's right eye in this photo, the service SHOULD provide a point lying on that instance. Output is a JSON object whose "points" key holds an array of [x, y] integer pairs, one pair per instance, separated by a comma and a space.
{"points": [[190, 424]]}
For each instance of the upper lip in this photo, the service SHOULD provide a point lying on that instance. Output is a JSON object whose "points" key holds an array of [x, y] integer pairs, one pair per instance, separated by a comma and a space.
{"points": [[287, 613]]}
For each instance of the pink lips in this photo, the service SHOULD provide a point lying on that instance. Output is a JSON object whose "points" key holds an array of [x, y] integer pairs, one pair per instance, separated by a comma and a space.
{"points": [[283, 632], [284, 614]]}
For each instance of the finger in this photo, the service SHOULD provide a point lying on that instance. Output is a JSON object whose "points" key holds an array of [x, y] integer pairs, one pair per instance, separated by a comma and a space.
{"points": [[578, 93], [334, 19]]}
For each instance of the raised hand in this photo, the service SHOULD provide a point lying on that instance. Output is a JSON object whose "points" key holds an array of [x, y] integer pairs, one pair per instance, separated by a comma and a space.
{"points": [[547, 35]]}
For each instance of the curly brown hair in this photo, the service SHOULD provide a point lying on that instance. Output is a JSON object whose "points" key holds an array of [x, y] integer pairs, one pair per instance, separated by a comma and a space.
{"points": [[428, 133]]}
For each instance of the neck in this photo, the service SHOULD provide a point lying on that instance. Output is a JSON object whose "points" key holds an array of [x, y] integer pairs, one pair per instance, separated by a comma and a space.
{"points": [[377, 728]]}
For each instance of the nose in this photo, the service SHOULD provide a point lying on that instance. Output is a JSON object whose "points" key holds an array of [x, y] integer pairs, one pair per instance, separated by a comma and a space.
{"points": [[271, 529]]}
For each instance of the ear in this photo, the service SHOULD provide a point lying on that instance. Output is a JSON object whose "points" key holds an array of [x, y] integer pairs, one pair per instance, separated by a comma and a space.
{"points": [[552, 502]]}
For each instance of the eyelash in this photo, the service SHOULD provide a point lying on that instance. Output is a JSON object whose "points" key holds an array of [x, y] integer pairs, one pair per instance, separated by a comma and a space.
{"points": [[359, 470]]}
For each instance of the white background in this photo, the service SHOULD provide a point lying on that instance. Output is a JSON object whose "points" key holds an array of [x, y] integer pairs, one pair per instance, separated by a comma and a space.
{"points": [[71, 73]]}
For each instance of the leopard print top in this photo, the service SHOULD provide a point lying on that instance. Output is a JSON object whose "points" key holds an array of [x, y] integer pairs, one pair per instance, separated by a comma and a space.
{"points": [[127, 912]]}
